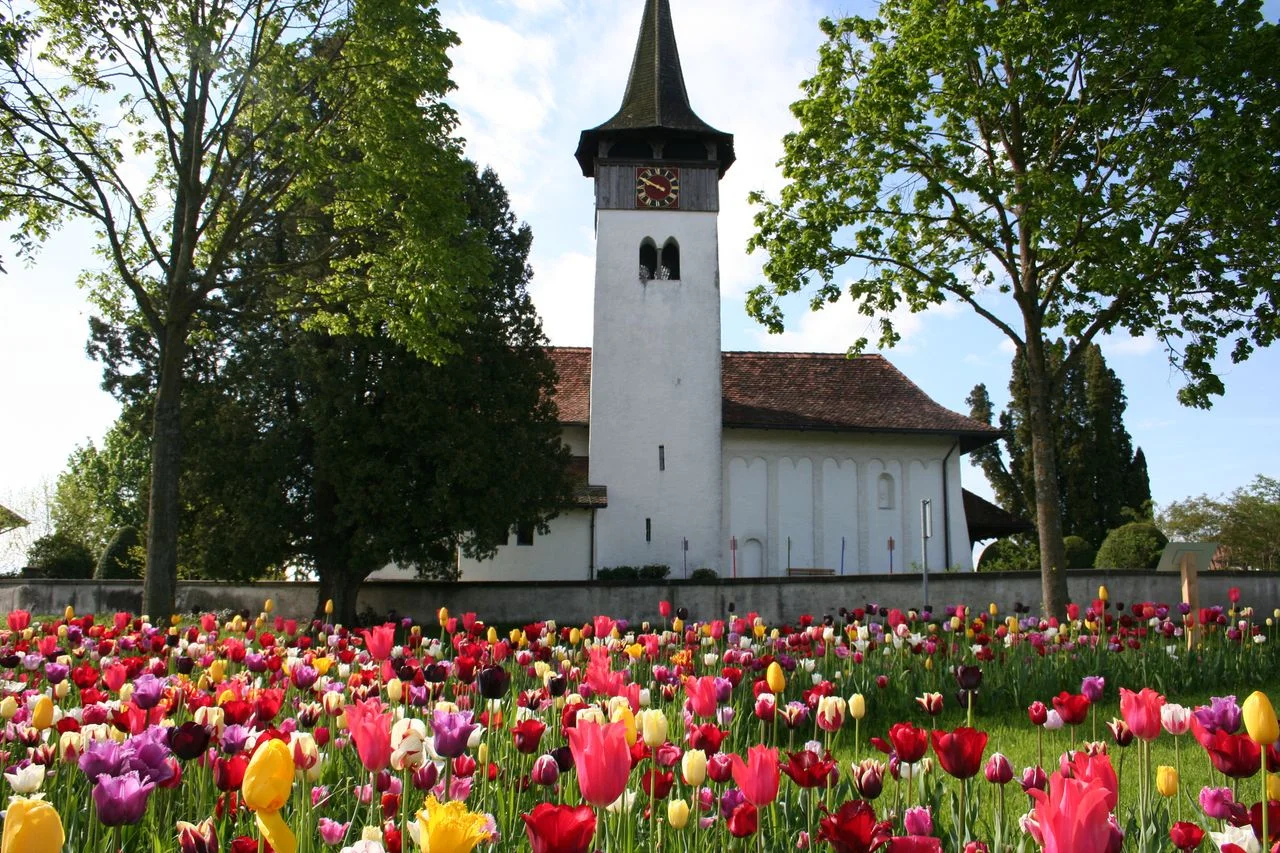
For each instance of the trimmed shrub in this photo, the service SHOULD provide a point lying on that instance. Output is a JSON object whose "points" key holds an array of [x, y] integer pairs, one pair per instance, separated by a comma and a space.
{"points": [[1010, 555], [654, 572], [1136, 545], [703, 574], [618, 573], [119, 560], [1080, 554], [58, 556]]}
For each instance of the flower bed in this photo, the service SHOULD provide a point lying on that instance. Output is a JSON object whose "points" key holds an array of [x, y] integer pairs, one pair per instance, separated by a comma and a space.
{"points": [[869, 728]]}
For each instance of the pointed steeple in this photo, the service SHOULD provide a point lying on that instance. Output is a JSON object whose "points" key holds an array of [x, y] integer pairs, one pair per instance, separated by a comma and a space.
{"points": [[656, 105]]}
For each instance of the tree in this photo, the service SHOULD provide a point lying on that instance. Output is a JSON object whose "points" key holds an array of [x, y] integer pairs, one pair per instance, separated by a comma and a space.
{"points": [[341, 453], [102, 491], [58, 555], [1103, 480], [1136, 545], [1063, 169], [213, 96], [1246, 523]]}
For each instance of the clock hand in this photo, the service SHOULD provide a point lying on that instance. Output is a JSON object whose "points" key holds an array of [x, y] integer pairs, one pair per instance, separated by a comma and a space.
{"points": [[655, 186]]}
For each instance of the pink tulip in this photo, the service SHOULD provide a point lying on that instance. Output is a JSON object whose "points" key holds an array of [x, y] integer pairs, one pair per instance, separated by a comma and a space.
{"points": [[601, 759], [1097, 771], [702, 695], [757, 777], [371, 730], [380, 640], [1176, 719], [1141, 711], [1072, 816]]}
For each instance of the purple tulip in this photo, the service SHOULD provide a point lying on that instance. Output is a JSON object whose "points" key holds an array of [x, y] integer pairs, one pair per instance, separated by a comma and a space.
{"points": [[149, 754], [121, 799], [148, 691], [452, 730], [1220, 803], [56, 673], [545, 771], [1221, 714], [1092, 687], [234, 737], [304, 676], [731, 799], [103, 757]]}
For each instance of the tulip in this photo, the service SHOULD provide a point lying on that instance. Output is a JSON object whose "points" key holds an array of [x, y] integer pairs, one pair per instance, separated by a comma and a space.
{"points": [[744, 821], [602, 760], [830, 715], [857, 706], [379, 640], [1141, 711], [268, 780], [703, 695], [545, 771], [930, 703], [677, 814], [559, 829], [197, 838], [42, 714], [1072, 816], [959, 752], [452, 730], [868, 778], [1186, 836], [917, 820], [31, 826], [1175, 718], [450, 827], [121, 799], [1260, 719], [909, 743], [1037, 713], [998, 770], [653, 726], [775, 678], [25, 779], [853, 827], [332, 832], [758, 776], [1167, 781]]}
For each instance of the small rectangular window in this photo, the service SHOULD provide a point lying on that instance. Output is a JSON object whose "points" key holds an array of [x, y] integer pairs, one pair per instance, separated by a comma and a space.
{"points": [[648, 530], [524, 534], [662, 457]]}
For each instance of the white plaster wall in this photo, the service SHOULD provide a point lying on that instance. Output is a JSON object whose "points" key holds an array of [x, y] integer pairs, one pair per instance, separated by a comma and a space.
{"points": [[747, 508], [843, 471], [840, 514], [561, 555], [655, 380], [795, 514]]}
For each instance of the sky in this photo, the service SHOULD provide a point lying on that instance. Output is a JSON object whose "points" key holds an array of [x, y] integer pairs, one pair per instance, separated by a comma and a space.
{"points": [[531, 75]]}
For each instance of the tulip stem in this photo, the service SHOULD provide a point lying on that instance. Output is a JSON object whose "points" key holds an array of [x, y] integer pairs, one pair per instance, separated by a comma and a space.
{"points": [[1266, 804]]}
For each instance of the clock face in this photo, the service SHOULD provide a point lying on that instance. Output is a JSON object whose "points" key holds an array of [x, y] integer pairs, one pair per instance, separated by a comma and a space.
{"points": [[657, 187]]}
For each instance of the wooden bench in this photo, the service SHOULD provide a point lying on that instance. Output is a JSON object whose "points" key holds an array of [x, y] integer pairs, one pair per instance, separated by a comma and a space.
{"points": [[810, 573]]}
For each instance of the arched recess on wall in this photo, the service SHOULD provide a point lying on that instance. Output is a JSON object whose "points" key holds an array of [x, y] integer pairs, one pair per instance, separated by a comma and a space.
{"points": [[648, 259], [884, 491], [671, 258]]}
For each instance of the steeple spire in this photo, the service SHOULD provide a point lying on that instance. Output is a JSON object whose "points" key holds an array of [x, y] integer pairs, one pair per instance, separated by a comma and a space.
{"points": [[656, 105]]}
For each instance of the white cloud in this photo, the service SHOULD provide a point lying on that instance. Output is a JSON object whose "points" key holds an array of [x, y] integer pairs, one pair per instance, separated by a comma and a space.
{"points": [[562, 290], [1127, 345], [837, 327]]}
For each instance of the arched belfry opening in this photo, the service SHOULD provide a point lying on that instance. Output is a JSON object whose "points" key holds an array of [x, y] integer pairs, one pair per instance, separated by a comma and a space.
{"points": [[648, 259], [670, 267]]}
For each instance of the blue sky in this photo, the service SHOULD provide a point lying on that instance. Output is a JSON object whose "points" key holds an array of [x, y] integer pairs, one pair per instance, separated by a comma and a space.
{"points": [[531, 75]]}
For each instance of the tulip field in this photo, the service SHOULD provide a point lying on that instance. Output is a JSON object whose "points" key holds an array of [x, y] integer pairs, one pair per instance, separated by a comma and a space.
{"points": [[1141, 726]]}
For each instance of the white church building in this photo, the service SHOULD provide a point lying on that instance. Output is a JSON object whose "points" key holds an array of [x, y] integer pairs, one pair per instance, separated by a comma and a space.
{"points": [[754, 464]]}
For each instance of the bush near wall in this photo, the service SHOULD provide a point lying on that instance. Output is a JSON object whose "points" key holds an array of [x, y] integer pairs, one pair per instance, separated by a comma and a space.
{"points": [[1136, 545], [651, 572]]}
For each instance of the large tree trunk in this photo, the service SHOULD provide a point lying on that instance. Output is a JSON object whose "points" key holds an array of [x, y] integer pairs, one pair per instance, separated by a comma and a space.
{"points": [[1053, 558], [160, 581], [335, 586], [339, 581]]}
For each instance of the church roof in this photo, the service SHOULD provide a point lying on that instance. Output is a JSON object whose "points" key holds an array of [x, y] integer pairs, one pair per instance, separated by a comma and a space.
{"points": [[988, 521], [656, 98], [10, 520], [799, 391]]}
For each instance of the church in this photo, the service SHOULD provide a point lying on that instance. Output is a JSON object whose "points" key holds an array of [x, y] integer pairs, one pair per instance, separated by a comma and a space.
{"points": [[752, 464]]}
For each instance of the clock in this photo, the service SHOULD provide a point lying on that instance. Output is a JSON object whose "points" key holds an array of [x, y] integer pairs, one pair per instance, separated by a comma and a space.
{"points": [[657, 187]]}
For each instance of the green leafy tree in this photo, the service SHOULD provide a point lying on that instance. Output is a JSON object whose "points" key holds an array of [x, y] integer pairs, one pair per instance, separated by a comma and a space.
{"points": [[1103, 481], [1246, 523], [212, 96], [104, 490], [1063, 169], [341, 453], [58, 555]]}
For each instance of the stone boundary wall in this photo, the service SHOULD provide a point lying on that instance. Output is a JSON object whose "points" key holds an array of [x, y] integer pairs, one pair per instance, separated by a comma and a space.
{"points": [[572, 602]]}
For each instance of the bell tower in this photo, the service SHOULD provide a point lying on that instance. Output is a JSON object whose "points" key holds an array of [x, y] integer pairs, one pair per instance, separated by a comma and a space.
{"points": [[655, 417]]}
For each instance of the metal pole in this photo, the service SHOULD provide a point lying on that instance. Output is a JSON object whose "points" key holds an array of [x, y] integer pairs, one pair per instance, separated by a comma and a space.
{"points": [[842, 555], [925, 532], [686, 558], [788, 554]]}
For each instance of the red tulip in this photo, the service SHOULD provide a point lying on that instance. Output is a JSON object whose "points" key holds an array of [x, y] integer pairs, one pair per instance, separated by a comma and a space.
{"points": [[702, 695], [706, 737], [758, 776], [657, 783], [1097, 771], [807, 770], [528, 735], [1074, 708], [602, 760], [1038, 713], [1273, 821], [19, 620], [1141, 711], [909, 742], [228, 773], [1236, 756], [371, 730], [744, 821], [664, 609], [1186, 836], [560, 829], [380, 640], [960, 751], [853, 828]]}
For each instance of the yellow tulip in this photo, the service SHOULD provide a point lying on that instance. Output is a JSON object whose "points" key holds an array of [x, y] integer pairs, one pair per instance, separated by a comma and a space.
{"points": [[1167, 781], [69, 613], [775, 678], [268, 780], [992, 609], [8, 707], [1102, 593], [693, 765], [677, 814], [276, 832], [395, 690], [1260, 719], [42, 714], [482, 754], [516, 637], [62, 689], [575, 636], [217, 670], [857, 706], [269, 605], [677, 624], [653, 726], [622, 714], [442, 616], [322, 665], [328, 607], [450, 827], [492, 636], [1273, 786], [31, 826]]}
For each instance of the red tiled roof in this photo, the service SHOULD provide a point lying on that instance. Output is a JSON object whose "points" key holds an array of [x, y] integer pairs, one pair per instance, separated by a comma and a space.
{"points": [[799, 391]]}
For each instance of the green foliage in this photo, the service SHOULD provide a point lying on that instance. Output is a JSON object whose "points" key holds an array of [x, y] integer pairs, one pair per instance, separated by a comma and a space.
{"points": [[1136, 545], [651, 572], [58, 555], [703, 574], [1080, 554], [1246, 523], [104, 490], [1102, 481], [122, 558], [1013, 554]]}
